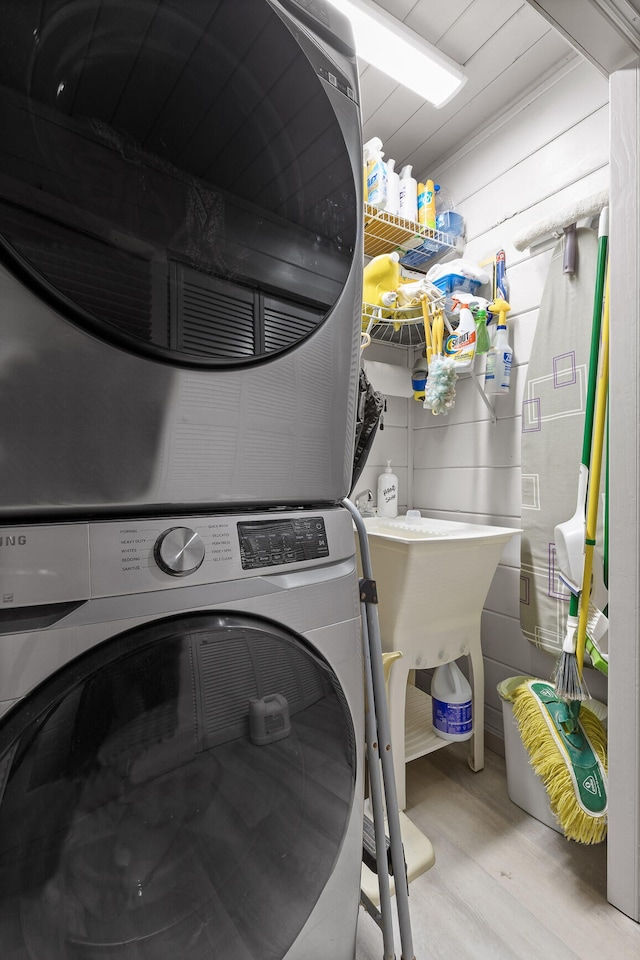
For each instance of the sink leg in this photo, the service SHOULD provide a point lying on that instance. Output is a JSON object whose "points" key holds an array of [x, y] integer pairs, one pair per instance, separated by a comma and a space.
{"points": [[476, 753], [397, 691]]}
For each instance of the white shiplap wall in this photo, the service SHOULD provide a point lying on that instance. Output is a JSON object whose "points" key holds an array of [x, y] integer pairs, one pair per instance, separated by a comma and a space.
{"points": [[547, 152], [393, 438]]}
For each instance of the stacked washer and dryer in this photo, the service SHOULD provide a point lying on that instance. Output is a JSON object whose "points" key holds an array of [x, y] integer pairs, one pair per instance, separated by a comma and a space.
{"points": [[181, 739]]}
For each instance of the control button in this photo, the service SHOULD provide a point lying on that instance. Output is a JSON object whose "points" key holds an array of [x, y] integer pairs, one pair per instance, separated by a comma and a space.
{"points": [[179, 551]]}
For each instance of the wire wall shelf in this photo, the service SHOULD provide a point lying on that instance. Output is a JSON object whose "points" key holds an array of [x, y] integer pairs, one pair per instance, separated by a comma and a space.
{"points": [[417, 244], [403, 327]]}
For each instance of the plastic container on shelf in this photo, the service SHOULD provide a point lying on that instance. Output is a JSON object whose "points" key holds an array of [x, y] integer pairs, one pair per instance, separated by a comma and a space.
{"points": [[418, 256], [443, 199], [451, 223], [454, 281]]}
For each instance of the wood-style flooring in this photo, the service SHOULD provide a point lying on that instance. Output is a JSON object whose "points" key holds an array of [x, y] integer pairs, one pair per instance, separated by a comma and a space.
{"points": [[504, 886]]}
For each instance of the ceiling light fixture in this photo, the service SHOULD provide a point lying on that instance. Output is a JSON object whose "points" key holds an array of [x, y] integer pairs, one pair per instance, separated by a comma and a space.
{"points": [[386, 43]]}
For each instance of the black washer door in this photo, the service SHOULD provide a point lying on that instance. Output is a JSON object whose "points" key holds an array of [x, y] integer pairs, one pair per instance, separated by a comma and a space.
{"points": [[173, 175], [182, 791]]}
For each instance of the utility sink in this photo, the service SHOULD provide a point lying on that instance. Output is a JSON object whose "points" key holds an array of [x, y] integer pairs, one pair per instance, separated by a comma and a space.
{"points": [[432, 579], [427, 529]]}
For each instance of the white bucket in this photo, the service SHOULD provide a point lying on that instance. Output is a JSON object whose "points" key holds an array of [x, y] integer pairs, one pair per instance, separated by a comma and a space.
{"points": [[525, 787]]}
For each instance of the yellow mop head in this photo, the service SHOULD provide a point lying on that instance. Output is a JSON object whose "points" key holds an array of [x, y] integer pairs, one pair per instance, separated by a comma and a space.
{"points": [[570, 756]]}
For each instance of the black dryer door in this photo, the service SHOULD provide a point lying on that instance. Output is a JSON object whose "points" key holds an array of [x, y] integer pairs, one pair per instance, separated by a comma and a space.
{"points": [[173, 175], [181, 791]]}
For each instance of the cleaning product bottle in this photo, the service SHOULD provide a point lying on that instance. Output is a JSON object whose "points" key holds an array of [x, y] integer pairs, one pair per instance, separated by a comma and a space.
{"points": [[376, 173], [502, 284], [451, 705], [419, 378], [479, 308], [408, 195], [497, 374], [444, 200], [422, 213], [461, 345], [430, 205], [381, 279], [388, 493], [393, 189]]}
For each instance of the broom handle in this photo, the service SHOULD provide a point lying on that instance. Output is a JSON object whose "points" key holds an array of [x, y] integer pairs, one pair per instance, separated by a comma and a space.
{"points": [[594, 483], [596, 322], [427, 329]]}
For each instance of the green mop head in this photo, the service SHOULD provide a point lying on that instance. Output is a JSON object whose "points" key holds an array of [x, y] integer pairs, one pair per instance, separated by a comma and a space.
{"points": [[569, 753]]}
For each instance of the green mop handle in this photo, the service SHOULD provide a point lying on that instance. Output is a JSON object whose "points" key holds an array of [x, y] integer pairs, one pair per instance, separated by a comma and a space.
{"points": [[594, 484], [603, 238]]}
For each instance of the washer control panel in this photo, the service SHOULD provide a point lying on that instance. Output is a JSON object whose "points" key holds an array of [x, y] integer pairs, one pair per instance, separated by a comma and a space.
{"points": [[76, 561], [270, 543]]}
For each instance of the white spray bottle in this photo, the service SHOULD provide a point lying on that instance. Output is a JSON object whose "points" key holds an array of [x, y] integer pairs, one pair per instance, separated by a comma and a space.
{"points": [[497, 377]]}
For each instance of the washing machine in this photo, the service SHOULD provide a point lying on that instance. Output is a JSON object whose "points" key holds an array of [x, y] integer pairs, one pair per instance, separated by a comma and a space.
{"points": [[181, 744], [180, 256]]}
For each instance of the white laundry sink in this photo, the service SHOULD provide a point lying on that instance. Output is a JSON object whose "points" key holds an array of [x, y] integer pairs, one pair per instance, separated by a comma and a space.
{"points": [[432, 579], [428, 529]]}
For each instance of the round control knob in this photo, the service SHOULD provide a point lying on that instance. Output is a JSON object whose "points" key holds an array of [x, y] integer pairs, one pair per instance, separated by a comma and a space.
{"points": [[179, 551]]}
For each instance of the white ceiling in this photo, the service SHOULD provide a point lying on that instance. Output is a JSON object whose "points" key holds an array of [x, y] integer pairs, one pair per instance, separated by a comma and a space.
{"points": [[505, 47]]}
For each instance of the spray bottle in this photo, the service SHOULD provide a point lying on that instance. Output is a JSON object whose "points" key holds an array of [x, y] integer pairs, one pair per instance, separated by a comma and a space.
{"points": [[461, 345], [480, 309], [498, 370]]}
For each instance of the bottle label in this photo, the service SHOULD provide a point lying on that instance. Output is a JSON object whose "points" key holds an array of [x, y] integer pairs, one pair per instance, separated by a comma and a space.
{"points": [[376, 183], [499, 363], [389, 493], [453, 718], [461, 348]]}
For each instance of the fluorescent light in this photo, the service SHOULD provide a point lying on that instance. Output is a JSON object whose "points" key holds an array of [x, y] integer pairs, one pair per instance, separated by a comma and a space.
{"points": [[389, 45]]}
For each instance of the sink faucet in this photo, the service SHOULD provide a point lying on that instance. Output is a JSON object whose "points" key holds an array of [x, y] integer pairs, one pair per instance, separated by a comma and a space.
{"points": [[367, 509]]}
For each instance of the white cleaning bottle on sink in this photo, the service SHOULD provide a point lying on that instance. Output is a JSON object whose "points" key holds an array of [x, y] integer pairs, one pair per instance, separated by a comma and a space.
{"points": [[388, 493], [451, 705]]}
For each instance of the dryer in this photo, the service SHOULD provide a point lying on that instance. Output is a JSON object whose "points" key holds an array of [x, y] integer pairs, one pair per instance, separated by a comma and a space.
{"points": [[181, 744], [180, 255]]}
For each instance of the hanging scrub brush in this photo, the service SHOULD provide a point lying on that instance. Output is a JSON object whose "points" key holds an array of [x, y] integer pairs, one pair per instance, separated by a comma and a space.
{"points": [[440, 390]]}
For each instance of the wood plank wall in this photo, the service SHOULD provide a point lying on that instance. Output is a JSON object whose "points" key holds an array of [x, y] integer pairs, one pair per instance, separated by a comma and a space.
{"points": [[548, 152]]}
